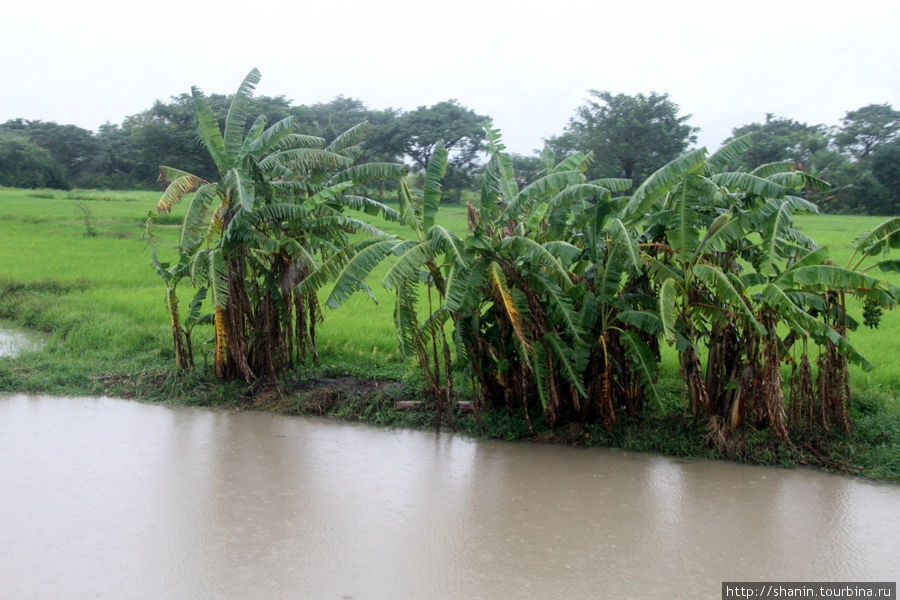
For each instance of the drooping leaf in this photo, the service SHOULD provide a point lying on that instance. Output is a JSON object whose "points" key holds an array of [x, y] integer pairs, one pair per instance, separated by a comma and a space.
{"points": [[500, 168], [369, 206], [357, 269], [169, 174], [613, 184], [443, 240], [724, 229], [304, 160], [577, 161], [799, 320], [773, 234], [349, 138], [253, 133], [644, 363], [409, 214], [343, 223], [370, 171], [655, 187], [563, 251], [218, 274], [270, 139], [175, 191], [749, 184], [644, 320], [799, 180], [408, 265], [625, 243], [724, 288], [194, 223], [879, 240], [542, 188], [536, 255], [683, 234], [828, 277], [504, 300], [243, 185], [668, 292], [774, 168], [563, 355], [560, 309], [728, 153], [888, 265], [579, 192], [327, 193]]}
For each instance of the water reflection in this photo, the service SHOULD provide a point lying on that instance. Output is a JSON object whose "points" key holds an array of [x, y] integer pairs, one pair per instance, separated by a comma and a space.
{"points": [[112, 499], [12, 342]]}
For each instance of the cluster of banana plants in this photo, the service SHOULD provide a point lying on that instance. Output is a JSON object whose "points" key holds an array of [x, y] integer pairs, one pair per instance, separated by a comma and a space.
{"points": [[563, 290], [248, 239]]}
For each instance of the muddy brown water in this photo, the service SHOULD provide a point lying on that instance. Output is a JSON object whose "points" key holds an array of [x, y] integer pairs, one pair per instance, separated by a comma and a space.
{"points": [[106, 498]]}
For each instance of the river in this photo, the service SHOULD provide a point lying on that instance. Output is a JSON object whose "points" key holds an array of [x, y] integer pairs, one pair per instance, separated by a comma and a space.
{"points": [[107, 498]]}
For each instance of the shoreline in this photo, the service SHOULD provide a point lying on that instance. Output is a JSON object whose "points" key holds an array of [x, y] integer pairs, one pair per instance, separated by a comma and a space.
{"points": [[348, 396]]}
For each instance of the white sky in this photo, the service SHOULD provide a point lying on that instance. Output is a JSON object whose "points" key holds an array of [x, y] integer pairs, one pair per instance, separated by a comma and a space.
{"points": [[528, 65]]}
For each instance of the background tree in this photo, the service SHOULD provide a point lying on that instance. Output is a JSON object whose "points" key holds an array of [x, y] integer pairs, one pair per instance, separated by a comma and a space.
{"points": [[118, 165], [864, 129], [417, 133], [526, 168], [166, 134], [779, 139], [844, 157], [886, 170], [24, 164], [74, 149], [630, 136]]}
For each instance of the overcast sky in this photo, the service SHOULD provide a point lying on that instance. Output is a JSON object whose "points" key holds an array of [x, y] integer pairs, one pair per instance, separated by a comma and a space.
{"points": [[528, 66]]}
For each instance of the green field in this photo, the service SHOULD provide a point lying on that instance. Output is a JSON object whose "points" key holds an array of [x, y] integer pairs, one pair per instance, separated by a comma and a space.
{"points": [[98, 297]]}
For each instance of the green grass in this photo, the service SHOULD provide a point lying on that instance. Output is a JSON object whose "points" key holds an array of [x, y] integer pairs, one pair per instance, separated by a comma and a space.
{"points": [[100, 308], [109, 296]]}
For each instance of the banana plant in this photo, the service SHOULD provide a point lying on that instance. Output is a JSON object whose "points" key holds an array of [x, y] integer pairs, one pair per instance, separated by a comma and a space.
{"points": [[422, 266], [172, 276], [549, 306], [732, 268], [252, 236]]}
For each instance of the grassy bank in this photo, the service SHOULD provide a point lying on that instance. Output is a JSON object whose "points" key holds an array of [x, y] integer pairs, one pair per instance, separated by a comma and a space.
{"points": [[76, 269]]}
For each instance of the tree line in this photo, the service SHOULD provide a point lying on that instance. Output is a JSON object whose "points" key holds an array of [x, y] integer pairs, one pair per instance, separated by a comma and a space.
{"points": [[628, 136]]}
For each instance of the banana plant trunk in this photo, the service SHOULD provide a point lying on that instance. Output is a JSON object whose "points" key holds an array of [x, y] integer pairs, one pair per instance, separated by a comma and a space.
{"points": [[181, 358], [221, 340]]}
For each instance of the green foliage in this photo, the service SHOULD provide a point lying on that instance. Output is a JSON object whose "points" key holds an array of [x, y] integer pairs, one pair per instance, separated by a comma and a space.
{"points": [[457, 128], [24, 164], [855, 158], [629, 136], [552, 295], [779, 139], [885, 164], [865, 129], [250, 236], [75, 151]]}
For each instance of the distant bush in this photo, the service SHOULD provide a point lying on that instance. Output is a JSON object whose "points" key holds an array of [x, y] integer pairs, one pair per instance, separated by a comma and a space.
{"points": [[24, 164]]}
